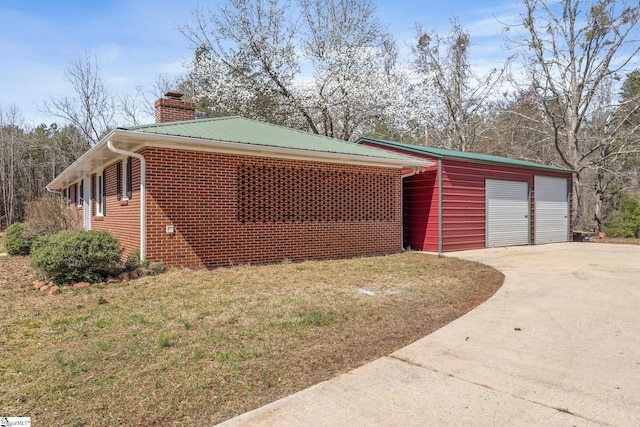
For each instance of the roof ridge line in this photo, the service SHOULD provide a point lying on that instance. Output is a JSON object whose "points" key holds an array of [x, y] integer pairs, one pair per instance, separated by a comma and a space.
{"points": [[177, 122]]}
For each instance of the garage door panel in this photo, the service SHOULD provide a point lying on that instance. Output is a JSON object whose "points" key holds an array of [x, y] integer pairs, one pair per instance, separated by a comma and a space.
{"points": [[551, 210], [507, 213]]}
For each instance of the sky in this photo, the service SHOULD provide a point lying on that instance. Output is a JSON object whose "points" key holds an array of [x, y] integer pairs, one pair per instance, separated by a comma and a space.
{"points": [[134, 41]]}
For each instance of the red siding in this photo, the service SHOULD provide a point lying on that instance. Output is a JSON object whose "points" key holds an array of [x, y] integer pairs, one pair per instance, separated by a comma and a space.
{"points": [[420, 215], [199, 194], [463, 202]]}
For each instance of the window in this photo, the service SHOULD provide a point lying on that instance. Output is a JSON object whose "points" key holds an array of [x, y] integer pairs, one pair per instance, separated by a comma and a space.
{"points": [[119, 182], [123, 178], [104, 192], [93, 195], [101, 197], [81, 193], [128, 179]]}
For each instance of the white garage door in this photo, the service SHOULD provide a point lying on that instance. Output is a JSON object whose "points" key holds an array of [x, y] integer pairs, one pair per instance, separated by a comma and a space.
{"points": [[551, 210], [507, 210]]}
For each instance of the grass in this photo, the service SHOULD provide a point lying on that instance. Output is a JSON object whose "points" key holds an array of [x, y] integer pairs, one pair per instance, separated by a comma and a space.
{"points": [[198, 347], [617, 241]]}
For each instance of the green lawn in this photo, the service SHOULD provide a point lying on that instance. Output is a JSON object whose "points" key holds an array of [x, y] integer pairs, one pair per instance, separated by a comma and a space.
{"points": [[203, 346]]}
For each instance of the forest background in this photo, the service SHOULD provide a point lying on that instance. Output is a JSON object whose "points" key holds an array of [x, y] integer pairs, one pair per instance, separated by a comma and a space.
{"points": [[567, 92]]}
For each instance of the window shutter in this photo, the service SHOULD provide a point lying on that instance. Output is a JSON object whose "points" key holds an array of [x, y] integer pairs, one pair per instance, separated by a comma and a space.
{"points": [[81, 192], [129, 189], [119, 180], [104, 192]]}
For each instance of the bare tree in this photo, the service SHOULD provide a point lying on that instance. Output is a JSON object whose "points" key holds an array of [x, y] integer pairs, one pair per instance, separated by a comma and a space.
{"points": [[31, 158], [573, 51], [129, 106], [461, 94], [515, 129], [12, 145], [145, 97], [92, 109], [614, 130]]}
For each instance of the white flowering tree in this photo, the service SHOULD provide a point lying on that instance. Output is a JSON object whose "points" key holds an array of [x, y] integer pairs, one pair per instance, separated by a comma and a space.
{"points": [[329, 69]]}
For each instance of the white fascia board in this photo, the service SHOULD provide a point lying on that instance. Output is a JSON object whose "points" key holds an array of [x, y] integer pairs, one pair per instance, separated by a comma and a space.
{"points": [[180, 142], [99, 155], [84, 165]]}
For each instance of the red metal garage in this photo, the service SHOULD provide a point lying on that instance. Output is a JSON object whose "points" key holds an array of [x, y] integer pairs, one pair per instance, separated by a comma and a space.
{"points": [[472, 201]]}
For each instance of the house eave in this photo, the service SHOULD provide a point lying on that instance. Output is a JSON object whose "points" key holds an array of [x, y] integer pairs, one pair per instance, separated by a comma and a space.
{"points": [[100, 155]]}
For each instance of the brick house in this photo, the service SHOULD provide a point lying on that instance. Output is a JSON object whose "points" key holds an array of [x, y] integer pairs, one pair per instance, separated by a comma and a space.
{"points": [[216, 192]]}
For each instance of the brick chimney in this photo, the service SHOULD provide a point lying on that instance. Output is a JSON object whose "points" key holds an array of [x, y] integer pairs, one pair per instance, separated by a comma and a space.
{"points": [[173, 109]]}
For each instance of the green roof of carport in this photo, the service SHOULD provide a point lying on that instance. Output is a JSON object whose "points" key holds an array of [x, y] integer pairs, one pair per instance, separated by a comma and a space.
{"points": [[442, 153], [246, 131]]}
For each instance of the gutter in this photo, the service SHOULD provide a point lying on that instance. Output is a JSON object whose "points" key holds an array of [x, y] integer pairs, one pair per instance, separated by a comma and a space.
{"points": [[244, 148], [143, 198], [54, 191], [413, 172], [138, 139]]}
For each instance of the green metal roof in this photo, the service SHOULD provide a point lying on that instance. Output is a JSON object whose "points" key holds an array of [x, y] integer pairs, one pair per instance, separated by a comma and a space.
{"points": [[442, 153], [246, 131]]}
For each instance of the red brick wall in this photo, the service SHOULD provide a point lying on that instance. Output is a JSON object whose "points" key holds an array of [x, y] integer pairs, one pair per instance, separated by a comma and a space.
{"points": [[198, 193], [122, 217], [173, 110]]}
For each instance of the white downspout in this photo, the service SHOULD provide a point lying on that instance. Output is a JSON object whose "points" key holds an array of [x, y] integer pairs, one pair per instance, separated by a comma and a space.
{"points": [[143, 198]]}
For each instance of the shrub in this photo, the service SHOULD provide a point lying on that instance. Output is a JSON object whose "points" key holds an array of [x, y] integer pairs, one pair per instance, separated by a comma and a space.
{"points": [[626, 219], [76, 255], [133, 262], [15, 241], [50, 214], [145, 268]]}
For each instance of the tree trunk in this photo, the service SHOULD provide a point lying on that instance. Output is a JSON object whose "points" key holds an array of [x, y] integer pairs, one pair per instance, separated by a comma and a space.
{"points": [[576, 200]]}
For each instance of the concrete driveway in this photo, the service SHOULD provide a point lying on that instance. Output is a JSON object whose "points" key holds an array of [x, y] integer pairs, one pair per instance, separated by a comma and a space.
{"points": [[558, 345]]}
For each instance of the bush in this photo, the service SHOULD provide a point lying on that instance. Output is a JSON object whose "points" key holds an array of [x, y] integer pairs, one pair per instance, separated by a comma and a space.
{"points": [[76, 255], [50, 214], [626, 219], [133, 262], [145, 268], [15, 241]]}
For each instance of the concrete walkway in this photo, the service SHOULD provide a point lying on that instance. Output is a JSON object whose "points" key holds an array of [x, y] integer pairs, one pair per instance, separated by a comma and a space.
{"points": [[558, 345]]}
